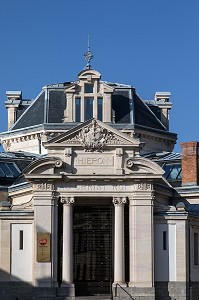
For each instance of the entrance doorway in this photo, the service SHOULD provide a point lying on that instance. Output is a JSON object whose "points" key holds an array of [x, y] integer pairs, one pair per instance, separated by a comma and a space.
{"points": [[93, 248]]}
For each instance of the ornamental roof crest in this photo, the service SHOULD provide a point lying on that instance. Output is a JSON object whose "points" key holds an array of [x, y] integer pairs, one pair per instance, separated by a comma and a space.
{"points": [[94, 138]]}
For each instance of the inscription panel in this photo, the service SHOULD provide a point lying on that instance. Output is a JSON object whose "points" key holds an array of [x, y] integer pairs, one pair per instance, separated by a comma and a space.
{"points": [[94, 160], [90, 187]]}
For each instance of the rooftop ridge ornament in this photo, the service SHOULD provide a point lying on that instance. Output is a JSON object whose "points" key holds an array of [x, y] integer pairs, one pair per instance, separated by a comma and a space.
{"points": [[88, 56]]}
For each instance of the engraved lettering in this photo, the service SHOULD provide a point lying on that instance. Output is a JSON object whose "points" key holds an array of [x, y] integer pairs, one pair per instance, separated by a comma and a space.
{"points": [[87, 187], [94, 161]]}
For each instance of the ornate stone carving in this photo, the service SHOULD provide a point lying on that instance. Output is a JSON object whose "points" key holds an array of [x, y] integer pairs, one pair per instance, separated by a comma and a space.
{"points": [[144, 186], [129, 163], [119, 200], [68, 152], [44, 186], [58, 163], [94, 137], [67, 200]]}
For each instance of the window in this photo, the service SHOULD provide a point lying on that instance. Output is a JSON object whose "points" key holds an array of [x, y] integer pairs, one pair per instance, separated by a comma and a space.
{"points": [[99, 108], [88, 88], [164, 240], [195, 248], [20, 239], [173, 172], [77, 110], [88, 108]]}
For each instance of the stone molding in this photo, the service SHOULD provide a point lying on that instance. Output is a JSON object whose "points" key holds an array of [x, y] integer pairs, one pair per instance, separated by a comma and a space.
{"points": [[14, 139]]}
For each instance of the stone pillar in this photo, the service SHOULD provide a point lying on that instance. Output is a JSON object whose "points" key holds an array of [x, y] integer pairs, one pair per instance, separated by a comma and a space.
{"points": [[141, 237], [119, 263], [107, 107], [43, 222], [67, 261], [68, 113]]}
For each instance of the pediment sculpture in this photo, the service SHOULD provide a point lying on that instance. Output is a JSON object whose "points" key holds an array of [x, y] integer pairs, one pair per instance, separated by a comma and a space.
{"points": [[94, 138]]}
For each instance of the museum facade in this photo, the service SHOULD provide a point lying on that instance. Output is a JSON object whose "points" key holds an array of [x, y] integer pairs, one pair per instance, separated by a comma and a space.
{"points": [[93, 201]]}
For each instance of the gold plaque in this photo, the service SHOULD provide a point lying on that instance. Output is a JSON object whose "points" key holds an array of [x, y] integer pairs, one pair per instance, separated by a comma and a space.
{"points": [[43, 247]]}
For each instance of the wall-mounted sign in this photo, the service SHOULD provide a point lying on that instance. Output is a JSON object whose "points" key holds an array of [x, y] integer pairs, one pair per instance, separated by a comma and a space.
{"points": [[43, 247]]}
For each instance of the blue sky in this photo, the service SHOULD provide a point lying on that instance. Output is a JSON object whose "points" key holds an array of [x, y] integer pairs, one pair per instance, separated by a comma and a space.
{"points": [[152, 45]]}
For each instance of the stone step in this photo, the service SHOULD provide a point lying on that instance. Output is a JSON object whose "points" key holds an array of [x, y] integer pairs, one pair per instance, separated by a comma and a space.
{"points": [[108, 297]]}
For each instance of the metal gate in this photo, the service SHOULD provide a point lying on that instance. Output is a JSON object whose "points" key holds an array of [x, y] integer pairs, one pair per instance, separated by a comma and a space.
{"points": [[92, 249]]}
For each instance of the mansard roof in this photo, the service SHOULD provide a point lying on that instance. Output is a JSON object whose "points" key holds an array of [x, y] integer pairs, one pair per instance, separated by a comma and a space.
{"points": [[48, 108]]}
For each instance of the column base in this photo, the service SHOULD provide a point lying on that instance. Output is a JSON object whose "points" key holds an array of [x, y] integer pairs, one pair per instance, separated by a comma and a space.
{"points": [[122, 284], [67, 284], [144, 284], [66, 289]]}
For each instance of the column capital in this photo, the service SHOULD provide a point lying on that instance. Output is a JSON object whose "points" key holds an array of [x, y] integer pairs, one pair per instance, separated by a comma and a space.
{"points": [[67, 200], [119, 200]]}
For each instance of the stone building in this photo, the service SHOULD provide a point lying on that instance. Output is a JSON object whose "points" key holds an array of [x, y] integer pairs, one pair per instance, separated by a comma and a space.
{"points": [[93, 200]]}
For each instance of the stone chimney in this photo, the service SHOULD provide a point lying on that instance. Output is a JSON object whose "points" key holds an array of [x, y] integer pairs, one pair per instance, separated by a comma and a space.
{"points": [[12, 104], [162, 100], [189, 163]]}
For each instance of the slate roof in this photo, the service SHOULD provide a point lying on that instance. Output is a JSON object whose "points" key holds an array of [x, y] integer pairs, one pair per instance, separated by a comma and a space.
{"points": [[12, 165], [126, 104]]}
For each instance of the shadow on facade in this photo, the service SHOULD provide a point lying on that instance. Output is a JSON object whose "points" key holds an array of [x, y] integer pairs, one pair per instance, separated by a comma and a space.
{"points": [[16, 289], [162, 290]]}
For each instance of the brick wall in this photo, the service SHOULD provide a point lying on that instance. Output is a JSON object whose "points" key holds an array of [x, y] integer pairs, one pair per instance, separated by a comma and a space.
{"points": [[189, 163]]}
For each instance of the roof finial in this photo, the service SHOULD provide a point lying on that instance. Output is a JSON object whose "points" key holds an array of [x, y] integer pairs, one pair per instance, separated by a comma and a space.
{"points": [[88, 55]]}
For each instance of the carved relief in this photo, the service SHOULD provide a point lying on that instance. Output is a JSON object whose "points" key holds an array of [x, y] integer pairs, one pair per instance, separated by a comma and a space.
{"points": [[94, 137], [73, 140], [143, 186], [44, 186]]}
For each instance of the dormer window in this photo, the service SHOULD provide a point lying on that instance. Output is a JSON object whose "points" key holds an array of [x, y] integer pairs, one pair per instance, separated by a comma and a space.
{"points": [[88, 98]]}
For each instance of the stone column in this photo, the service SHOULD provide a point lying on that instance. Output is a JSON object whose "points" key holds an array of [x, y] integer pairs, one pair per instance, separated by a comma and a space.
{"points": [[119, 263], [67, 261], [141, 234]]}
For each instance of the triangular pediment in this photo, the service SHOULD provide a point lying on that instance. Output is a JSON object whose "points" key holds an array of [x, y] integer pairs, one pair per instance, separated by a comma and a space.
{"points": [[93, 135]]}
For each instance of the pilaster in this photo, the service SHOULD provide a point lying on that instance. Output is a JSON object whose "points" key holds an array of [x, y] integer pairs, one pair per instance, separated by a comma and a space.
{"points": [[107, 107], [43, 211], [141, 236]]}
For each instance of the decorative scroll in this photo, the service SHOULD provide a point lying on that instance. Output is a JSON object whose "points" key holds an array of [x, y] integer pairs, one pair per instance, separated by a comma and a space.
{"points": [[129, 163], [58, 163], [67, 200], [119, 200]]}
